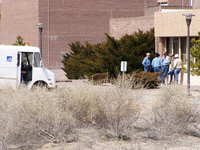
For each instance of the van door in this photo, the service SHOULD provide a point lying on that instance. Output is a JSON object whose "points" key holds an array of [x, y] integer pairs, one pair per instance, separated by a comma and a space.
{"points": [[19, 55], [39, 73]]}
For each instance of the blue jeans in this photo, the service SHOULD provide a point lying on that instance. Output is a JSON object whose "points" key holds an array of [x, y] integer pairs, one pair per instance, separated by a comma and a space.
{"points": [[171, 74], [164, 72], [156, 69], [147, 68], [176, 73]]}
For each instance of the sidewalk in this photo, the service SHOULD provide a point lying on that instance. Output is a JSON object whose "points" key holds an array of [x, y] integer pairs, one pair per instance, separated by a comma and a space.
{"points": [[60, 74], [194, 80]]}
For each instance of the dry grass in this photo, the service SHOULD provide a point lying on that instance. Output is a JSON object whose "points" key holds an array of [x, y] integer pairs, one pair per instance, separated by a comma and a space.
{"points": [[109, 108], [33, 115], [51, 116], [173, 113], [44, 116], [138, 80]]}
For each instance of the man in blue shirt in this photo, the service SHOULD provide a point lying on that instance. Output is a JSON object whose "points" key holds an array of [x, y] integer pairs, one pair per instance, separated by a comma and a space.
{"points": [[147, 63], [156, 63], [165, 67]]}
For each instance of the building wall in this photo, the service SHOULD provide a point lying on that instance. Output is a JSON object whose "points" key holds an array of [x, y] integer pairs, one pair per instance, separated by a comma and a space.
{"points": [[19, 17], [150, 6], [196, 4], [67, 21], [173, 24], [178, 2], [121, 26], [128, 25], [149, 11], [150, 3], [153, 3]]}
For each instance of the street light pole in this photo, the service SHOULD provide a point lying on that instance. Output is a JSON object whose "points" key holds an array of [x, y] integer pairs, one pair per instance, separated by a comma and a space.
{"points": [[40, 29], [188, 22]]}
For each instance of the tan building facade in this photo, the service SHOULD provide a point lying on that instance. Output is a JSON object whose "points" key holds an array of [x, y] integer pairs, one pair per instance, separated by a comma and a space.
{"points": [[171, 30], [172, 23], [121, 26], [166, 17]]}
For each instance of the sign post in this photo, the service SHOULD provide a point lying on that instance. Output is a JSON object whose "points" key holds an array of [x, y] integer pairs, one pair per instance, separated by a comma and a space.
{"points": [[123, 69]]}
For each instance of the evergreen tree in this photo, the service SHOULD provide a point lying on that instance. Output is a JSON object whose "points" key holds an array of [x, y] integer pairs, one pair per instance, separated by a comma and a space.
{"points": [[19, 41], [87, 59]]}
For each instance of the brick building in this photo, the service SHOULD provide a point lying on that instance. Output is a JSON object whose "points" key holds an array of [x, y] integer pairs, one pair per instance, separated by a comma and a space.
{"points": [[64, 21]]}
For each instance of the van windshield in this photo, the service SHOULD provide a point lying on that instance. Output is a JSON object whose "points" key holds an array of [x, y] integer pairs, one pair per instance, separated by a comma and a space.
{"points": [[37, 60]]}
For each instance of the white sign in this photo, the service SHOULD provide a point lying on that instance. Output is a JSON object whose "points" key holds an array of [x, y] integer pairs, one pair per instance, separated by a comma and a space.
{"points": [[123, 66]]}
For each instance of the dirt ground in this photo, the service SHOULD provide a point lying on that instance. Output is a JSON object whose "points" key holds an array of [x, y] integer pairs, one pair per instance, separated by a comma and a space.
{"points": [[87, 142]]}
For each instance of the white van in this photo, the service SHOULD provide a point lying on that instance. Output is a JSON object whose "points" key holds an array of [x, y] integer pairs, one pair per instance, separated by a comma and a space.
{"points": [[23, 65]]}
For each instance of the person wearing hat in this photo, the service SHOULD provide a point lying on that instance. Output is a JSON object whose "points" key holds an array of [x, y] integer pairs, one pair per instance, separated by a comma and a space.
{"points": [[177, 67], [147, 63], [164, 67]]}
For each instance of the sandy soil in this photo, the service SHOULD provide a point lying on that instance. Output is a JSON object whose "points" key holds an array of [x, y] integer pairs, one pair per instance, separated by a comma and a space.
{"points": [[180, 144]]}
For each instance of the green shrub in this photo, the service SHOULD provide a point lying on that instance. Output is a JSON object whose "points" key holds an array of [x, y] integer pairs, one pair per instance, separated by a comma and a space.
{"points": [[88, 59], [195, 52], [19, 41]]}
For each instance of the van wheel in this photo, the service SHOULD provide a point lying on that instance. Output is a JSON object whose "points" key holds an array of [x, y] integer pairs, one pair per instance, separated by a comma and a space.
{"points": [[39, 84]]}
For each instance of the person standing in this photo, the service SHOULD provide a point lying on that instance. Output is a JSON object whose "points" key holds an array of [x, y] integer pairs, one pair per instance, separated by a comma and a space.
{"points": [[177, 67], [156, 63], [164, 67], [171, 69], [147, 63]]}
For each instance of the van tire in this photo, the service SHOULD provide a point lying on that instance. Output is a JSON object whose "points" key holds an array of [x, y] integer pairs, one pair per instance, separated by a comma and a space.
{"points": [[40, 84]]}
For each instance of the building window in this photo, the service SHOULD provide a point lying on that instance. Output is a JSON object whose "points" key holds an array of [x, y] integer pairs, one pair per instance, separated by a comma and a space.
{"points": [[163, 2], [37, 60]]}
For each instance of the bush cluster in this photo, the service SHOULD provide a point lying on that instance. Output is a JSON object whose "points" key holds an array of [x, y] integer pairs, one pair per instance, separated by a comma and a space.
{"points": [[88, 59], [42, 116], [138, 79], [173, 114], [146, 79], [51, 116]]}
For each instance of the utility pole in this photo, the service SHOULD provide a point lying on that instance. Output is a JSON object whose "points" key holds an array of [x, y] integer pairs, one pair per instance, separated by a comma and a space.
{"points": [[40, 31], [188, 22]]}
